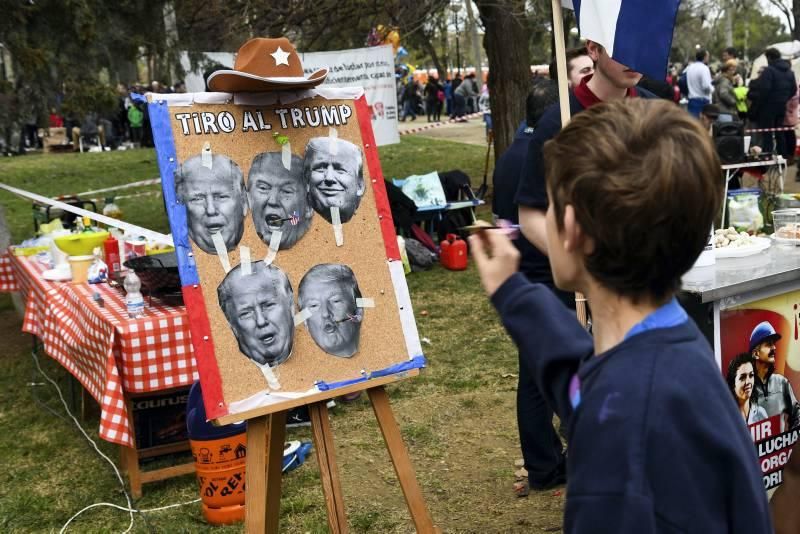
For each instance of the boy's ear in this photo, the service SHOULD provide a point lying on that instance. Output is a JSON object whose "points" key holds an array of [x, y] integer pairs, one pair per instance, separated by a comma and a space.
{"points": [[594, 50], [575, 240]]}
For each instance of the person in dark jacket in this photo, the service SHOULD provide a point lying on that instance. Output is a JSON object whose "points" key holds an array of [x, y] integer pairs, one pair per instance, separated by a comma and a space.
{"points": [[409, 100], [656, 441], [774, 87], [432, 104], [542, 450]]}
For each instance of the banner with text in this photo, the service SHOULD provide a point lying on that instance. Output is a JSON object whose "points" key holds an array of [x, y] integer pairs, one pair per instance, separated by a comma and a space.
{"points": [[371, 68]]}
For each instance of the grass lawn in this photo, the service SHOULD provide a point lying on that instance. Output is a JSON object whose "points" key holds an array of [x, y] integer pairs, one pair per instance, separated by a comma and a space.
{"points": [[457, 418]]}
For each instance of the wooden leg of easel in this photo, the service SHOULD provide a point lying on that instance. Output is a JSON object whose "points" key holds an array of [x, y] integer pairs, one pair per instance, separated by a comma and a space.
{"points": [[275, 443], [400, 459], [263, 472], [329, 472]]}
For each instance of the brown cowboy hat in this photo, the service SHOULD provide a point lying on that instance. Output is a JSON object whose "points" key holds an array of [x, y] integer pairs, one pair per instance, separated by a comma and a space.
{"points": [[265, 65]]}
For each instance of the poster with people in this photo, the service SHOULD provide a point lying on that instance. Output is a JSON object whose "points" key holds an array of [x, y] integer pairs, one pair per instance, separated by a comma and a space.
{"points": [[286, 248], [761, 364]]}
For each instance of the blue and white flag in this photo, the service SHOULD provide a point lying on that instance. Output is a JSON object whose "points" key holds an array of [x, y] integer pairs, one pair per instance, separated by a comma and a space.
{"points": [[636, 33]]}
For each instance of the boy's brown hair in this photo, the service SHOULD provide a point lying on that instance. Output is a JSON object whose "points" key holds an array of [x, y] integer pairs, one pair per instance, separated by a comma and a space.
{"points": [[644, 180]]}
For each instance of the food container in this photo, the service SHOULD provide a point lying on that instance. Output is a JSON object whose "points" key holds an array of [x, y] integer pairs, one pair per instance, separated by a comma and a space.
{"points": [[158, 273], [788, 200], [81, 244], [80, 268], [787, 226]]}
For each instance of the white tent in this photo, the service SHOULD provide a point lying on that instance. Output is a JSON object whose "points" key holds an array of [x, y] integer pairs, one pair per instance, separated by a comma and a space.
{"points": [[789, 50]]}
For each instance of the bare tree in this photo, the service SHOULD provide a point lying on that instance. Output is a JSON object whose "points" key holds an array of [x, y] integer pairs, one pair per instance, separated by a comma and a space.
{"points": [[791, 10]]}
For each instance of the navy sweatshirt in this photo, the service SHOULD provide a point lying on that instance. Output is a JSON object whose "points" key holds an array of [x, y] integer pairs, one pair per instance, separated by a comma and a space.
{"points": [[656, 443]]}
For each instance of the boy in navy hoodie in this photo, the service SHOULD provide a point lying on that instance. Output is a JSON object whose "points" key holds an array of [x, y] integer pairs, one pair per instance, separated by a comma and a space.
{"points": [[656, 443]]}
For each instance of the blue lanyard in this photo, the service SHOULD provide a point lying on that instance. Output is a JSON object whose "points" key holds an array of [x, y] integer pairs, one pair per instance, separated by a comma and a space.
{"points": [[669, 315]]}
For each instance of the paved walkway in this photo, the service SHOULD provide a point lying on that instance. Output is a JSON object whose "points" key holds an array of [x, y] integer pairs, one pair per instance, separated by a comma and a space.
{"points": [[472, 132]]}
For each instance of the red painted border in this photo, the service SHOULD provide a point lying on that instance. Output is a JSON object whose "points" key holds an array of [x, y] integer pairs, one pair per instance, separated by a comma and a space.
{"points": [[204, 352], [376, 175]]}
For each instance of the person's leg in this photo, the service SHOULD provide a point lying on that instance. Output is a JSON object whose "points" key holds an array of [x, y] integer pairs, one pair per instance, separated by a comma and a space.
{"points": [[136, 136], [695, 106], [770, 140], [76, 135], [101, 134], [541, 447], [790, 140]]}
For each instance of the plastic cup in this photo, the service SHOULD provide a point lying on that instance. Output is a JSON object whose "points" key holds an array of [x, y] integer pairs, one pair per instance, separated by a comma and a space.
{"points": [[80, 268], [747, 139]]}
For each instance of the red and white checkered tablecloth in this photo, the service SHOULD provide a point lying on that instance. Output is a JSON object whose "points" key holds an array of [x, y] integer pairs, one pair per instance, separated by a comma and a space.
{"points": [[110, 354], [8, 281]]}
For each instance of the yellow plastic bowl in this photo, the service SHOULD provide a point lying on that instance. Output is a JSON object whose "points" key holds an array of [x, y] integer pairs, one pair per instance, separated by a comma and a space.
{"points": [[81, 244]]}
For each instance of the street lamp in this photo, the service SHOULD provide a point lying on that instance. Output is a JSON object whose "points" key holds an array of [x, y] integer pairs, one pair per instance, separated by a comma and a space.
{"points": [[455, 8]]}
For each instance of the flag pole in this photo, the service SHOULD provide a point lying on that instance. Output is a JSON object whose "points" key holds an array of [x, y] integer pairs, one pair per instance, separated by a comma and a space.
{"points": [[563, 99], [561, 62]]}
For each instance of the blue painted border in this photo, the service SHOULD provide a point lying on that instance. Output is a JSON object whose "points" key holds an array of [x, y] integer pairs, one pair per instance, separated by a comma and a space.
{"points": [[167, 165], [417, 362]]}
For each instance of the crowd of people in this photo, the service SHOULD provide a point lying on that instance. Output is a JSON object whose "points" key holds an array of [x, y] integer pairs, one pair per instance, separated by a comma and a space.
{"points": [[127, 125], [457, 97], [769, 100]]}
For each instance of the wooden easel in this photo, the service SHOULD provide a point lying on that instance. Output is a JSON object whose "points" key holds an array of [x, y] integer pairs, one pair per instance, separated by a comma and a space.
{"points": [[265, 437]]}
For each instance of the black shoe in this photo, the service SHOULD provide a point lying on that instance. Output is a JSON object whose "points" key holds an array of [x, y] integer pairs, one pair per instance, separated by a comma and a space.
{"points": [[558, 477], [298, 417]]}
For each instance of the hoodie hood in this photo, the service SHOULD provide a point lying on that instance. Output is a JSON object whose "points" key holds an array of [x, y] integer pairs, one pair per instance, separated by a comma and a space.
{"points": [[781, 64]]}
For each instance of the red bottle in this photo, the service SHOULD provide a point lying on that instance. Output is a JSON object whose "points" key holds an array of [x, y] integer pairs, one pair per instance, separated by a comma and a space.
{"points": [[111, 250], [454, 253]]}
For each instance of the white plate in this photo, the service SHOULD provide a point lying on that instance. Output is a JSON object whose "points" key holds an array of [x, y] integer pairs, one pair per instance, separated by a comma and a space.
{"points": [[57, 275], [759, 244]]}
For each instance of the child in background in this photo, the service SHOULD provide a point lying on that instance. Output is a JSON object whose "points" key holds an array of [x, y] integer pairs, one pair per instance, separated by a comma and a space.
{"points": [[136, 119], [656, 443]]}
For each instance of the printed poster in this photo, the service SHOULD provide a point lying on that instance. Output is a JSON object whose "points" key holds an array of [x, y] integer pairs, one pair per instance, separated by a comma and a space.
{"points": [[286, 248], [760, 352]]}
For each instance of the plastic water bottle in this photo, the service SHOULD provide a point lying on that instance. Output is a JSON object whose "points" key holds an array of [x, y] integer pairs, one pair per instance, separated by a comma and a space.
{"points": [[134, 300]]}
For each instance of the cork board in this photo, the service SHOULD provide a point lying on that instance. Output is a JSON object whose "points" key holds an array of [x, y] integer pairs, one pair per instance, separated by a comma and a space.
{"points": [[372, 336]]}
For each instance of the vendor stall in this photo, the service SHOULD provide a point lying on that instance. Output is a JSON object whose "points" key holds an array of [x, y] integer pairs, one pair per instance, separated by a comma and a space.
{"points": [[748, 309], [116, 359]]}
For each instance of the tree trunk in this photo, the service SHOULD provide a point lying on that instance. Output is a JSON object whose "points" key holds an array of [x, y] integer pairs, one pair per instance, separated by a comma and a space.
{"points": [[431, 50], [796, 16], [473, 39], [506, 45]]}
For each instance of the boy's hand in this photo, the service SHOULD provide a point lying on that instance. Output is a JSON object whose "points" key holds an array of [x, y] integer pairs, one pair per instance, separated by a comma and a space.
{"points": [[496, 257]]}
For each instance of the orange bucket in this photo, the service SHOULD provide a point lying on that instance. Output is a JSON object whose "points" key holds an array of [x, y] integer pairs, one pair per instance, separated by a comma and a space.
{"points": [[219, 460], [220, 468]]}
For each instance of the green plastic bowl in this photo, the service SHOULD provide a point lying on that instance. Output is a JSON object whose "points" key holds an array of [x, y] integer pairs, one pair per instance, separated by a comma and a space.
{"points": [[81, 244]]}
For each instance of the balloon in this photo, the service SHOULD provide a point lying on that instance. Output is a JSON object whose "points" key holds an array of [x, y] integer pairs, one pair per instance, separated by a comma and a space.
{"points": [[393, 38], [401, 52]]}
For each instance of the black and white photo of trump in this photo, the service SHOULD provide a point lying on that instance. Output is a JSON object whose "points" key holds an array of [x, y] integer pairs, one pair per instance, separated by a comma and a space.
{"points": [[213, 191], [260, 311], [334, 169], [329, 292], [279, 198]]}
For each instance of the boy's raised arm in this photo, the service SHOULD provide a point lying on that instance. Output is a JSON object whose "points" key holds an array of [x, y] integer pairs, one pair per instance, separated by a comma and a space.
{"points": [[546, 332]]}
